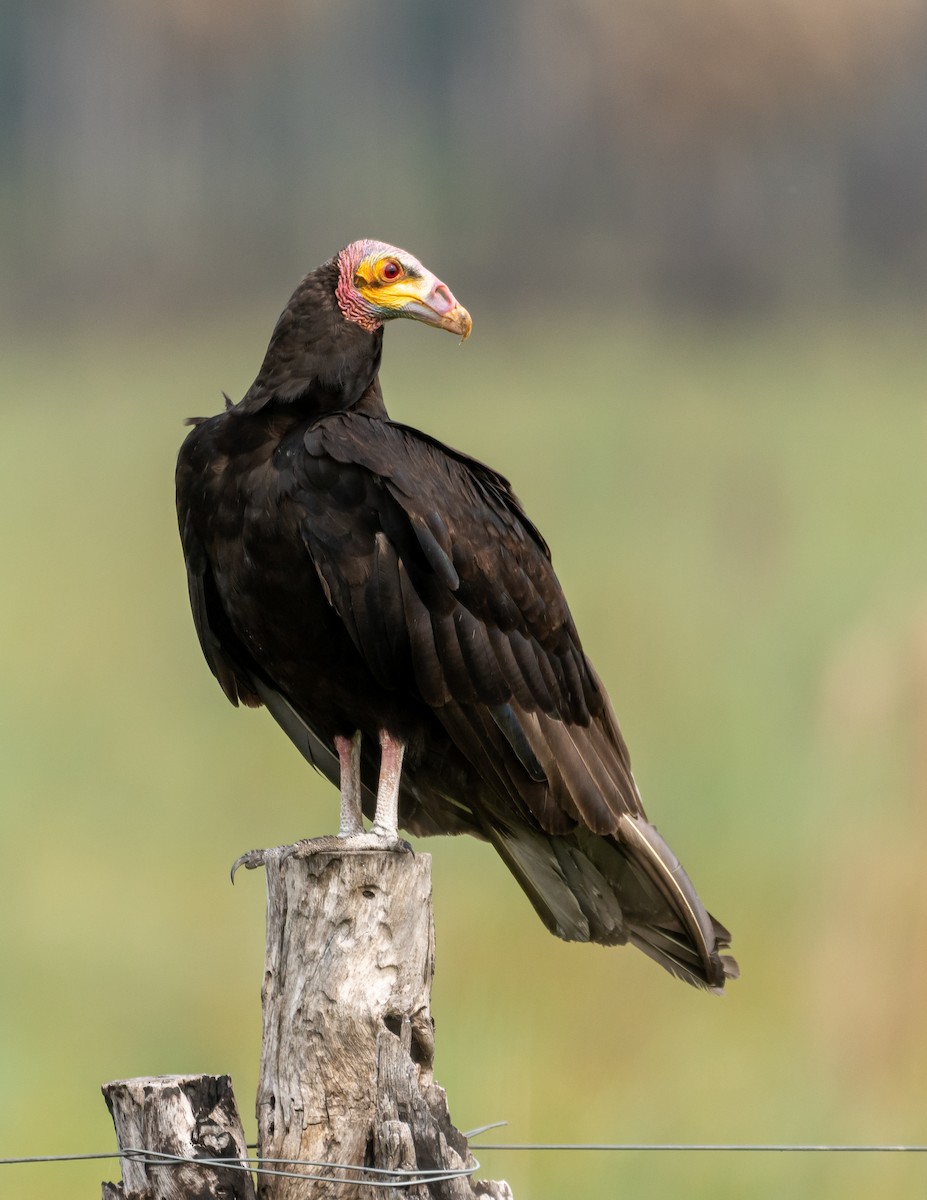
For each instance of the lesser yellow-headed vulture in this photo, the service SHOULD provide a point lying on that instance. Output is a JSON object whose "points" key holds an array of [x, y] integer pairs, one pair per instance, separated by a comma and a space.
{"points": [[391, 604]]}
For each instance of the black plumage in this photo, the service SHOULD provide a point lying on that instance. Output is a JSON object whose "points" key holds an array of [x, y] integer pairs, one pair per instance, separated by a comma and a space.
{"points": [[355, 575]]}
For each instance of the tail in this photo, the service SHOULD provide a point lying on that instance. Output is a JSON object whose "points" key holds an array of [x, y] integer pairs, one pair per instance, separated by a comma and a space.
{"points": [[629, 887]]}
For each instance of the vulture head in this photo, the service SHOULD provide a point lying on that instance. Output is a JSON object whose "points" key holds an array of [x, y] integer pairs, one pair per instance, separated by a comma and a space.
{"points": [[378, 282], [325, 349]]}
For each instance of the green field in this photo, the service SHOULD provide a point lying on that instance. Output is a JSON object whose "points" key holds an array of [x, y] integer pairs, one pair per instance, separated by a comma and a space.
{"points": [[738, 518]]}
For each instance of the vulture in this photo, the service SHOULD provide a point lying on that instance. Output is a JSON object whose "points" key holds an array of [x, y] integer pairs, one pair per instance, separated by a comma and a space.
{"points": [[387, 599]]}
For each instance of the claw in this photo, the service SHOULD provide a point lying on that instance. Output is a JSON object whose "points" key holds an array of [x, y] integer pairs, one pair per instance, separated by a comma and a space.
{"points": [[250, 860]]}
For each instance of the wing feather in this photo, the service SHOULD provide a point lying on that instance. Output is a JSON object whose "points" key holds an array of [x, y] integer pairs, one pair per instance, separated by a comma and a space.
{"points": [[431, 680], [396, 523], [221, 649]]}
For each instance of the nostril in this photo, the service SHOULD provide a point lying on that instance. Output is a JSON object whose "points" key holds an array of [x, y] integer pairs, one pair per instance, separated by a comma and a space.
{"points": [[442, 294]]}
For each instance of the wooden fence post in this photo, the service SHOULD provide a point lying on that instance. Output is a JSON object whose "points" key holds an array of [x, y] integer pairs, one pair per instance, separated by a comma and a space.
{"points": [[190, 1116], [348, 1045]]}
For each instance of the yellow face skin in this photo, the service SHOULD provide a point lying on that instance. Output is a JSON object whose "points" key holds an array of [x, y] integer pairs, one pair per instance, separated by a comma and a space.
{"points": [[395, 284]]}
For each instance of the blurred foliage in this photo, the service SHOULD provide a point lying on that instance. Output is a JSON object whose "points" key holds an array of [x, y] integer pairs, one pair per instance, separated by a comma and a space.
{"points": [[737, 515]]}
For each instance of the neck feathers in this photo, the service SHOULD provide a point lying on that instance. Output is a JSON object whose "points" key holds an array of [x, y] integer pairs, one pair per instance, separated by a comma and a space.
{"points": [[316, 358]]}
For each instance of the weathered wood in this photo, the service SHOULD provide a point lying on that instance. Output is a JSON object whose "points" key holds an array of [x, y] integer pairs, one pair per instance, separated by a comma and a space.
{"points": [[192, 1116], [348, 1046]]}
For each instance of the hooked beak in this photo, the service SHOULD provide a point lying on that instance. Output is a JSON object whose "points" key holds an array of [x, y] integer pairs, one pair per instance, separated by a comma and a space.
{"points": [[439, 309]]}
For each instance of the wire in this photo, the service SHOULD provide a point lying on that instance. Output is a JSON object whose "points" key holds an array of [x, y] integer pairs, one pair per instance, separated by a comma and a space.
{"points": [[383, 1177], [717, 1147], [727, 1147], [405, 1177]]}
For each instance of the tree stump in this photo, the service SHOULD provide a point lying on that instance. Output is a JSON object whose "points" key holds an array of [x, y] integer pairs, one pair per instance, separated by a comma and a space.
{"points": [[190, 1116], [348, 1043]]}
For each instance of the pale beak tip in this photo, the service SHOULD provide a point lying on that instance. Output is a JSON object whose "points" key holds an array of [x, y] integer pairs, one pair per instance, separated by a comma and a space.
{"points": [[463, 323]]}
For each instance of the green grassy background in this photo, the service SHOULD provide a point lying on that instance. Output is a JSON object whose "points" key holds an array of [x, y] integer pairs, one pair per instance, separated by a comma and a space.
{"points": [[738, 517]]}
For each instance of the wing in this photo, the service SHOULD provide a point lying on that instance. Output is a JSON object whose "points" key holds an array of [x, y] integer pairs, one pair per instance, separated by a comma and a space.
{"points": [[429, 560], [221, 648], [239, 676], [447, 589]]}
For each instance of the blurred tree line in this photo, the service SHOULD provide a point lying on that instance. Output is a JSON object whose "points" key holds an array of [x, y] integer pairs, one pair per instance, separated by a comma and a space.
{"points": [[721, 155]]}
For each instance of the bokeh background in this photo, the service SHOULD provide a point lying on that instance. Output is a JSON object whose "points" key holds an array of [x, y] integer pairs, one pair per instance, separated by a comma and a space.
{"points": [[693, 237]]}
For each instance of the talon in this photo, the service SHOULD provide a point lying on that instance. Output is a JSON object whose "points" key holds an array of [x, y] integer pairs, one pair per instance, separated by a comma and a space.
{"points": [[250, 860]]}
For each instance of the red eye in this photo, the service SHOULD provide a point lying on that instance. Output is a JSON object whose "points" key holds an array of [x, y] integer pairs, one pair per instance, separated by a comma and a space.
{"points": [[391, 270]]}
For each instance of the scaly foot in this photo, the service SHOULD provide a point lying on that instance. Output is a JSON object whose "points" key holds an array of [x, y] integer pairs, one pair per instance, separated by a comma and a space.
{"points": [[353, 843]]}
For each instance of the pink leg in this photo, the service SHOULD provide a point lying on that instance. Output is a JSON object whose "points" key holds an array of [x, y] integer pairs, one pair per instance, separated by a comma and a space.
{"points": [[352, 837], [352, 821], [386, 819]]}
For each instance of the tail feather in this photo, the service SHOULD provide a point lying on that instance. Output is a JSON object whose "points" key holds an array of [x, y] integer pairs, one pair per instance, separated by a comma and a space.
{"points": [[654, 857], [530, 856], [614, 890], [670, 960]]}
